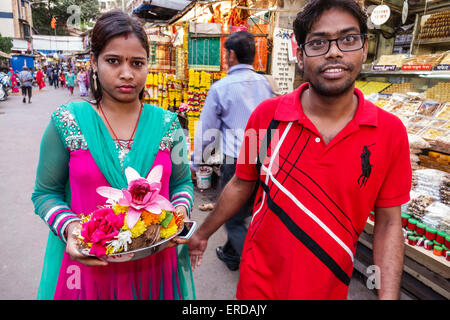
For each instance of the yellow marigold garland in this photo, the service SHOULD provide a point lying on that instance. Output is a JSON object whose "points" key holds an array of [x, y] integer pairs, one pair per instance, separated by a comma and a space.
{"points": [[151, 218], [169, 231], [138, 229]]}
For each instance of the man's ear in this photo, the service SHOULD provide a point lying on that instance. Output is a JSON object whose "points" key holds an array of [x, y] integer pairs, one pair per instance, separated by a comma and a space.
{"points": [[300, 58], [365, 50]]}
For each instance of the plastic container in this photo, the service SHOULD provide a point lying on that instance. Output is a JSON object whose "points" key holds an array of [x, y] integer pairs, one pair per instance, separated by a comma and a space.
{"points": [[440, 237], [437, 251], [204, 175], [412, 240], [430, 233], [447, 256], [444, 251], [372, 216], [405, 218], [447, 241], [420, 228], [412, 224], [428, 245]]}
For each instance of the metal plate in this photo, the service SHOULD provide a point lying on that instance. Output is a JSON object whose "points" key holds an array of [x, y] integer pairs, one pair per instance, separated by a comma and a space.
{"points": [[142, 252]]}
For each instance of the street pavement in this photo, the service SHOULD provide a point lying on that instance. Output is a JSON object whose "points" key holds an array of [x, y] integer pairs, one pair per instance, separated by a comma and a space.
{"points": [[24, 235]]}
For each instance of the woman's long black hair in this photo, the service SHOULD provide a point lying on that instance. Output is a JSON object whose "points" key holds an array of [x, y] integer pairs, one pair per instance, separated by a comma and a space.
{"points": [[112, 24]]}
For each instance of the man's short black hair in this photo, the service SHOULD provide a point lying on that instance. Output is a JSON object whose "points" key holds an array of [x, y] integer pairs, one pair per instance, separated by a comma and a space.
{"points": [[312, 11], [243, 44]]}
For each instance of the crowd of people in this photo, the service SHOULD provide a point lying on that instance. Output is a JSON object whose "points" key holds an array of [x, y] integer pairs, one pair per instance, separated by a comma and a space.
{"points": [[67, 77], [57, 76]]}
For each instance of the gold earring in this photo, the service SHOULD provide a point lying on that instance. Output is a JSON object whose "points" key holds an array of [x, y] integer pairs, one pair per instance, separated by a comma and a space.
{"points": [[94, 76]]}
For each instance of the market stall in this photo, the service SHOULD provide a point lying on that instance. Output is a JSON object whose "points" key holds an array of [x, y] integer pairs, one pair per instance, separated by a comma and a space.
{"points": [[187, 52], [408, 75]]}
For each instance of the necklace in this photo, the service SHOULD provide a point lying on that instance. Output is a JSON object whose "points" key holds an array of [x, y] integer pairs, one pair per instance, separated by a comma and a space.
{"points": [[114, 134]]}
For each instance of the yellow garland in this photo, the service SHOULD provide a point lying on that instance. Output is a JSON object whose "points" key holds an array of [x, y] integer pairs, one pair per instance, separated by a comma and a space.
{"points": [[119, 209], [169, 231], [151, 218], [138, 229]]}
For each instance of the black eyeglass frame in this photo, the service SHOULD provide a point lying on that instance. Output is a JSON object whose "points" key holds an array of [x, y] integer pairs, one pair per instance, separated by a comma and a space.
{"points": [[362, 35]]}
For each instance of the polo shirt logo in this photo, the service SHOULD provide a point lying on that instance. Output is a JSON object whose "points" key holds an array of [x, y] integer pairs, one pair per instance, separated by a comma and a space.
{"points": [[366, 167]]}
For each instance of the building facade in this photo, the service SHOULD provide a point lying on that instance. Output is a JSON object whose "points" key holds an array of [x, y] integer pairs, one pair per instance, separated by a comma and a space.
{"points": [[16, 22]]}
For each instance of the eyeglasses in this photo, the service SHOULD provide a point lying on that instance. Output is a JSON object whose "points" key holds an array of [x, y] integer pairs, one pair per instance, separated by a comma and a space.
{"points": [[319, 47]]}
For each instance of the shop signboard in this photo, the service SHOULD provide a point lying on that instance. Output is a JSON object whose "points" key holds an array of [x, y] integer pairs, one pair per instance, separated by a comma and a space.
{"points": [[380, 15], [282, 70]]}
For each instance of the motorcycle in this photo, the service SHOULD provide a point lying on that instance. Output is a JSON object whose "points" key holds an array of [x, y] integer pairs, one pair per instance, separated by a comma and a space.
{"points": [[4, 86]]}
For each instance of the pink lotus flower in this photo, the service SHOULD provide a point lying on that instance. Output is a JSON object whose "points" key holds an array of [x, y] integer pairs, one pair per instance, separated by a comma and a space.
{"points": [[142, 194], [103, 226]]}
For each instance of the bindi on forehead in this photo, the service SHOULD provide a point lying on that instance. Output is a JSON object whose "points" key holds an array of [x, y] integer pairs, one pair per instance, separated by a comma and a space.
{"points": [[125, 36]]}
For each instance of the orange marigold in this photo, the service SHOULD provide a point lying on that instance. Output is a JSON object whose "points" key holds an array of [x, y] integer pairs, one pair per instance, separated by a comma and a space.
{"points": [[151, 218]]}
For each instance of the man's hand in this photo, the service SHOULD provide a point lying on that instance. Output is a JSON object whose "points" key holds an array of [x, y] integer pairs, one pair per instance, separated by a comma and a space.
{"points": [[233, 197], [197, 246]]}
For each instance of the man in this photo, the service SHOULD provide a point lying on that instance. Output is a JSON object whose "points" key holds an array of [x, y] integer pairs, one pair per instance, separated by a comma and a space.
{"points": [[227, 108], [333, 158], [26, 81], [49, 74]]}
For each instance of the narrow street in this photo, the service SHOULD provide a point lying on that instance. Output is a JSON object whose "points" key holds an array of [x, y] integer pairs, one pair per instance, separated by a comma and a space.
{"points": [[24, 234]]}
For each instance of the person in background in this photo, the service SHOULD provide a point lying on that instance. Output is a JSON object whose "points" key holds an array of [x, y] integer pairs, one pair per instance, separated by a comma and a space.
{"points": [[40, 79], [49, 74], [13, 79], [81, 79], [325, 158], [55, 77], [227, 108], [62, 79], [70, 81], [26, 82]]}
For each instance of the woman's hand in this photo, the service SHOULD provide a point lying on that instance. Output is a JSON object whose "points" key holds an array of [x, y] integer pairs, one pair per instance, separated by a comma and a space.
{"points": [[176, 241], [73, 244]]}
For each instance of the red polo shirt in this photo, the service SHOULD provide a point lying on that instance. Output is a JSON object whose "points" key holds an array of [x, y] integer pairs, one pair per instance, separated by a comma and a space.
{"points": [[314, 199]]}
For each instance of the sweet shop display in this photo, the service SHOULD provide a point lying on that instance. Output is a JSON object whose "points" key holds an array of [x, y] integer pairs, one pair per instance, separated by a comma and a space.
{"points": [[404, 88], [439, 92], [437, 26]]}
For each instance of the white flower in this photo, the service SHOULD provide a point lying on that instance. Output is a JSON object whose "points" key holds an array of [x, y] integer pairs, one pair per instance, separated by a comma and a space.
{"points": [[123, 239]]}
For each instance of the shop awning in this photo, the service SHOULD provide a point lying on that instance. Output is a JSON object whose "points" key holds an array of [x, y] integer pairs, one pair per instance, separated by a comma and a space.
{"points": [[161, 10], [5, 55]]}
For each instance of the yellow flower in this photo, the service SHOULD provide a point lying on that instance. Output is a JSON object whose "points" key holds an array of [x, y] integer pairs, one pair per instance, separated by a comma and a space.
{"points": [[119, 209], [138, 229], [169, 231]]}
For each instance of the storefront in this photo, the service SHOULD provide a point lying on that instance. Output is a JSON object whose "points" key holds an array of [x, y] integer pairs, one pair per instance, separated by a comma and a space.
{"points": [[408, 75]]}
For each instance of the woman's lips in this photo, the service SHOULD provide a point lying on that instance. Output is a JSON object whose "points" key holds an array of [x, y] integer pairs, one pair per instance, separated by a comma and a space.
{"points": [[126, 89]]}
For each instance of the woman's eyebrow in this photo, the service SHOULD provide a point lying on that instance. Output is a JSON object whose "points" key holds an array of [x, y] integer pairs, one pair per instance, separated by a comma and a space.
{"points": [[113, 55]]}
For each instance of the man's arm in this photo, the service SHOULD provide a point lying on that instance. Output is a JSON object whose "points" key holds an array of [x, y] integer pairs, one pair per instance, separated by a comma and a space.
{"points": [[233, 197], [388, 250]]}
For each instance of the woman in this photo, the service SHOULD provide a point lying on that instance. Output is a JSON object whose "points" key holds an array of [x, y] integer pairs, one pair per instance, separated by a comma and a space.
{"points": [[86, 146], [81, 78], [12, 76], [70, 81], [40, 79], [62, 79]]}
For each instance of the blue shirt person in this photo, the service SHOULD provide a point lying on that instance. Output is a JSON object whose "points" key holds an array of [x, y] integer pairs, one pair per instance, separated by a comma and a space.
{"points": [[221, 128]]}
